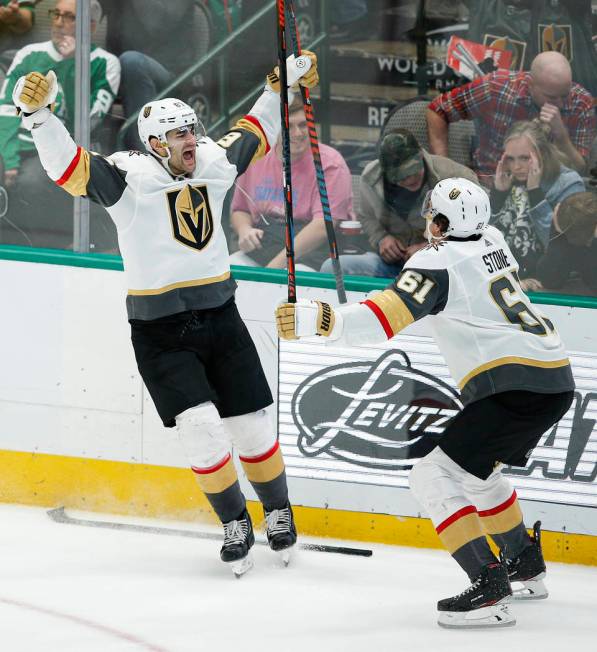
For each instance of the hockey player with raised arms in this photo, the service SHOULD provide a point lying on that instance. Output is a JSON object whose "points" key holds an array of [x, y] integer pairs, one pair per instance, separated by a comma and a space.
{"points": [[515, 381], [193, 351]]}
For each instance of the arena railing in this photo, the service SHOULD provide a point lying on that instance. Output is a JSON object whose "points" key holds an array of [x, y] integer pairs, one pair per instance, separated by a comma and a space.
{"points": [[219, 54]]}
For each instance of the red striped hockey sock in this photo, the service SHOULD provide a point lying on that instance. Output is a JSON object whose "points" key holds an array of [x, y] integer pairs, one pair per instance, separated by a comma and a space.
{"points": [[220, 485], [462, 534], [267, 474], [505, 525]]}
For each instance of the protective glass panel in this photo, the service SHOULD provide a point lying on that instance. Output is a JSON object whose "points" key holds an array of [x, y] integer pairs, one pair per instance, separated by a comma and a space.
{"points": [[35, 212], [452, 81], [41, 36], [454, 78]]}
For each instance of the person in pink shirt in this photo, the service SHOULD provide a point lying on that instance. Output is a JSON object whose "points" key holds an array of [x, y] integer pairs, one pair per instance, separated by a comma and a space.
{"points": [[257, 211]]}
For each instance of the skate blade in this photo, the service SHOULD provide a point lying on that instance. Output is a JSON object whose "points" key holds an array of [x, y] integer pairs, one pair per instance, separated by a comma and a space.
{"points": [[241, 566], [285, 555], [533, 589], [496, 615]]}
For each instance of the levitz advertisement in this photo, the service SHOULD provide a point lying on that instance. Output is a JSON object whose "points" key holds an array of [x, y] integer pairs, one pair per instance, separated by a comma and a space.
{"points": [[366, 415]]}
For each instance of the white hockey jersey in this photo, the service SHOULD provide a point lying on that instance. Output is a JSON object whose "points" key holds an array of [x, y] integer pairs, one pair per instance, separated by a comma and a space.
{"points": [[492, 338], [169, 228]]}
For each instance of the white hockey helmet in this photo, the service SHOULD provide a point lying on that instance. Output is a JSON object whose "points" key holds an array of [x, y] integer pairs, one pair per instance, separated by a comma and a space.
{"points": [[462, 202], [158, 117]]}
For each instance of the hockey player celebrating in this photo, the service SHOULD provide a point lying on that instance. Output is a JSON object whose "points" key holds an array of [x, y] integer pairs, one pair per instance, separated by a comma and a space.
{"points": [[515, 383], [193, 351]]}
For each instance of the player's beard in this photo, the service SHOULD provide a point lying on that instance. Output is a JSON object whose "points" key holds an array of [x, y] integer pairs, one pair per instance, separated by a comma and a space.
{"points": [[181, 165]]}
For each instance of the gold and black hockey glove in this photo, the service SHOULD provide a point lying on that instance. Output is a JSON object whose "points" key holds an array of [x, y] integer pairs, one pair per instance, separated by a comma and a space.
{"points": [[304, 319]]}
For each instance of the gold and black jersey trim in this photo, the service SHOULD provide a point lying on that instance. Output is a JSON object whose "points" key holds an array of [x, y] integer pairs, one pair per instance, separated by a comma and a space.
{"points": [[200, 294], [251, 124], [423, 291], [94, 176], [181, 284], [391, 311], [76, 176], [517, 373], [245, 143]]}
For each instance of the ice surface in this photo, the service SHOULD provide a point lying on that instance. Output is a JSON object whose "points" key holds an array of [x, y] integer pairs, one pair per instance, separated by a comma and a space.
{"points": [[65, 588]]}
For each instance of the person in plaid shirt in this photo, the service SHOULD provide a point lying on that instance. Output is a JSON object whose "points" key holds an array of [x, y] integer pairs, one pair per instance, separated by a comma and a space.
{"points": [[501, 98]]}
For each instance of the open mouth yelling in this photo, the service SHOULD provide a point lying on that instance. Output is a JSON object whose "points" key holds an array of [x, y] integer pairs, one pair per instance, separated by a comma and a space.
{"points": [[188, 156]]}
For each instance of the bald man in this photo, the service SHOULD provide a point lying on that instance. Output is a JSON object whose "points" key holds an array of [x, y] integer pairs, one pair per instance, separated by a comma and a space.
{"points": [[499, 99]]}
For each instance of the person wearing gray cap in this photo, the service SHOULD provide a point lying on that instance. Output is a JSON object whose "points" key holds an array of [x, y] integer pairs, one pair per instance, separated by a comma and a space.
{"points": [[392, 191]]}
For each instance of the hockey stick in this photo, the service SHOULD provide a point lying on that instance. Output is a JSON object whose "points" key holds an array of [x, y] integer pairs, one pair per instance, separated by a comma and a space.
{"points": [[287, 177], [59, 515], [323, 192]]}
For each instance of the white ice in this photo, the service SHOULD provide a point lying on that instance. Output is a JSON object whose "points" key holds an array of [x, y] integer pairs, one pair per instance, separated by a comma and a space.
{"points": [[65, 588]]}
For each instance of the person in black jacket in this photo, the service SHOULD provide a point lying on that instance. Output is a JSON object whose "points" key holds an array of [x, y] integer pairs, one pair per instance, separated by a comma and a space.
{"points": [[149, 58]]}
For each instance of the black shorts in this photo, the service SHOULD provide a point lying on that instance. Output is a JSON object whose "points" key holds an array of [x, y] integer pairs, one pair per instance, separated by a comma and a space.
{"points": [[197, 356], [503, 427]]}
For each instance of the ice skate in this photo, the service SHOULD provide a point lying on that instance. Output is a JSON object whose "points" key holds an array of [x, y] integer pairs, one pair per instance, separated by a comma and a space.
{"points": [[238, 540], [527, 571], [482, 604], [281, 531]]}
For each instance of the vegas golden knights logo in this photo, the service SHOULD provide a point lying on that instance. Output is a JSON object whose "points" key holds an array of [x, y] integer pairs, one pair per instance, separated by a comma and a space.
{"points": [[146, 111], [191, 217], [454, 193], [518, 48], [556, 38]]}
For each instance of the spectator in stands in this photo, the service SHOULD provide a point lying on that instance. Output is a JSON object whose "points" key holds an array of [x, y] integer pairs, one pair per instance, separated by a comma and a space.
{"points": [[529, 181], [31, 195], [257, 211], [16, 19], [392, 191], [501, 98], [528, 27], [572, 247], [149, 57]]}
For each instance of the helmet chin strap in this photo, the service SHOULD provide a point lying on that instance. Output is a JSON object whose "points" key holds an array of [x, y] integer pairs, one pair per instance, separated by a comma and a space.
{"points": [[165, 160], [431, 239]]}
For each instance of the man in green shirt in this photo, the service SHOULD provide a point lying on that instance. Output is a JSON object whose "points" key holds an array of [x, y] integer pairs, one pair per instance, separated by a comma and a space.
{"points": [[30, 193]]}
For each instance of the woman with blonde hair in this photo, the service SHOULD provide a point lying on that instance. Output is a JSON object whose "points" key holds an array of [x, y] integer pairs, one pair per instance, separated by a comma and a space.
{"points": [[530, 180]]}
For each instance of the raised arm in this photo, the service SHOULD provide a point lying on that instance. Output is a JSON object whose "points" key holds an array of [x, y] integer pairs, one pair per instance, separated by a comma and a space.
{"points": [[414, 294], [437, 132], [462, 103], [257, 132], [73, 168]]}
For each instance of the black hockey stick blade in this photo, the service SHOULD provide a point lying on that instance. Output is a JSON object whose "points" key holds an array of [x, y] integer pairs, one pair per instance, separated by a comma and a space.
{"points": [[59, 515]]}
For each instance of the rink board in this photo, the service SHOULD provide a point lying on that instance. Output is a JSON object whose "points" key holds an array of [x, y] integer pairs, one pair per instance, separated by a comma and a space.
{"points": [[77, 427]]}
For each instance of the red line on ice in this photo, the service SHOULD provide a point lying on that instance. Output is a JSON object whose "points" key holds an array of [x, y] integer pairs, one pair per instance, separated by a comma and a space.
{"points": [[85, 623]]}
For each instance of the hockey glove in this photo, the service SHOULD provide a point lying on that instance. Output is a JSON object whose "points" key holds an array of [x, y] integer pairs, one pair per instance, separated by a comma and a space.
{"points": [[304, 319], [301, 69], [33, 95]]}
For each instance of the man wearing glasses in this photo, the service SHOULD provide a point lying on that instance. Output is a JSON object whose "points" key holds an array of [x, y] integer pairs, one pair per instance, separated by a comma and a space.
{"points": [[24, 178]]}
